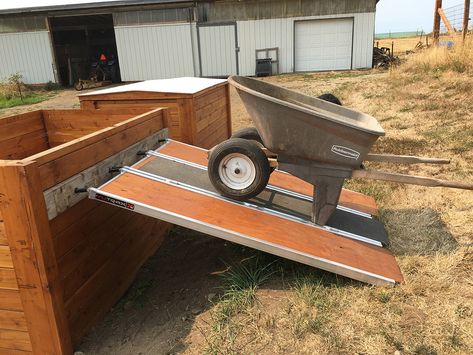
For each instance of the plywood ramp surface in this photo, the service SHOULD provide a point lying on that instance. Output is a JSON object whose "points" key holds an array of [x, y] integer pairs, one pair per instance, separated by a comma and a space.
{"points": [[294, 239], [348, 198], [260, 228]]}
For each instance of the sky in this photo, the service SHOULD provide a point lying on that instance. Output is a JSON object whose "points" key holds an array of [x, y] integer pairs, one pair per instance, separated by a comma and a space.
{"points": [[407, 15], [391, 15]]}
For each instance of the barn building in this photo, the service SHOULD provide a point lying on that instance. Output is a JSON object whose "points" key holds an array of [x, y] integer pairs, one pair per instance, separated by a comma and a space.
{"points": [[154, 39]]}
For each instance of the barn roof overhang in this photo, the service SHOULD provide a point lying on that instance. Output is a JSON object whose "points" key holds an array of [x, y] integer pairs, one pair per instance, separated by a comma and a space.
{"points": [[95, 5], [89, 6]]}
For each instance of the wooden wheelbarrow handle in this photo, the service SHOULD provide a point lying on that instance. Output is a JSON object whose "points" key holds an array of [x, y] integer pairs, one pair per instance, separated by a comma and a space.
{"points": [[409, 179], [405, 159]]}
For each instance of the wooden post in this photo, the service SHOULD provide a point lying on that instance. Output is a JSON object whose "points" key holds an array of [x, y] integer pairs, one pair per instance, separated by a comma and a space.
{"points": [[446, 21], [229, 110], [466, 18], [27, 228], [436, 30]]}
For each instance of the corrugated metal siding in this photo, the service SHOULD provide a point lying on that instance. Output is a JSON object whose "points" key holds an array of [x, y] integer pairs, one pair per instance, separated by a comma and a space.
{"points": [[165, 51], [195, 50], [217, 50], [154, 52], [237, 10], [363, 40], [27, 53], [261, 34]]}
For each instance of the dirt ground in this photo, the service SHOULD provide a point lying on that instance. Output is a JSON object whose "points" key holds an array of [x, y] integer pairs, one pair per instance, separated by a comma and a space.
{"points": [[401, 45], [64, 99], [175, 306], [176, 303], [408, 44]]}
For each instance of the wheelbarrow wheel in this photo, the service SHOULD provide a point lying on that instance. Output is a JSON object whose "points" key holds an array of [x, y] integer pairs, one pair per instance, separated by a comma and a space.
{"points": [[238, 168], [249, 133]]}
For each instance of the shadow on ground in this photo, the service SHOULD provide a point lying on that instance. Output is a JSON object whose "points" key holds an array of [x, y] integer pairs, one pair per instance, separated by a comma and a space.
{"points": [[173, 287], [417, 232], [182, 279]]}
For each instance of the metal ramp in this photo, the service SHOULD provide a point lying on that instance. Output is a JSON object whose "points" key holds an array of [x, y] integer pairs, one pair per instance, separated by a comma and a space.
{"points": [[171, 184]]}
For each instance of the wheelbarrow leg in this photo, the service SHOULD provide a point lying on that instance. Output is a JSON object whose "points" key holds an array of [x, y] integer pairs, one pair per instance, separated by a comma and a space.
{"points": [[327, 191]]}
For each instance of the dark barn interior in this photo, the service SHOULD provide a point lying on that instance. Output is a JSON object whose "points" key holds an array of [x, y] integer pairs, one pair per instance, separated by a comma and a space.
{"points": [[79, 43]]}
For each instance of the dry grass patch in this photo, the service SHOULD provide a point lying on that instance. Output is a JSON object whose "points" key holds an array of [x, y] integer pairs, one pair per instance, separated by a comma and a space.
{"points": [[426, 109]]}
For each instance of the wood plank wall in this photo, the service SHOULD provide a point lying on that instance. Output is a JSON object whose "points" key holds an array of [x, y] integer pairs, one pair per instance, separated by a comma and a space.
{"points": [[22, 135], [13, 329], [212, 117], [35, 269], [175, 111], [96, 249], [99, 249], [65, 125], [202, 119]]}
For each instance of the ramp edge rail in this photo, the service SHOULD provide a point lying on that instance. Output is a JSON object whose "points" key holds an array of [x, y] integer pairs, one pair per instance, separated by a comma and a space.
{"points": [[232, 236], [195, 189]]}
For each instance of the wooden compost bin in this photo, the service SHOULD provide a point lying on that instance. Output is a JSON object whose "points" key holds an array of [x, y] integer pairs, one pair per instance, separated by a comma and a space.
{"points": [[199, 108], [65, 259]]}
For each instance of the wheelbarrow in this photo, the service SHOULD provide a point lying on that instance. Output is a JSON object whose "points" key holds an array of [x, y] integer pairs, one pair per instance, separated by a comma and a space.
{"points": [[318, 141]]}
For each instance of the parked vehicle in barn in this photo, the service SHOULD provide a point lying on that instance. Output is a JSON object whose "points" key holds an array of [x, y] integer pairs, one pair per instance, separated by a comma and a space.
{"points": [[103, 71]]}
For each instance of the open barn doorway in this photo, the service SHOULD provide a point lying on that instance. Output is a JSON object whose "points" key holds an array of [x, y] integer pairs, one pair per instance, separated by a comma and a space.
{"points": [[85, 47]]}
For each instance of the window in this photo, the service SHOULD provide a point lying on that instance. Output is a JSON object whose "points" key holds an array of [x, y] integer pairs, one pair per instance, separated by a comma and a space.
{"points": [[152, 16], [22, 24]]}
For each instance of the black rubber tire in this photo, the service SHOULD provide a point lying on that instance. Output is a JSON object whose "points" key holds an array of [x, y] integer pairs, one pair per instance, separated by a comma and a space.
{"points": [[251, 150], [330, 98], [249, 133]]}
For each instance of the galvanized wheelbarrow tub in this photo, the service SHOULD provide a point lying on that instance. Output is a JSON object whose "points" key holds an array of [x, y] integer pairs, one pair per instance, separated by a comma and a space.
{"points": [[322, 143], [296, 125]]}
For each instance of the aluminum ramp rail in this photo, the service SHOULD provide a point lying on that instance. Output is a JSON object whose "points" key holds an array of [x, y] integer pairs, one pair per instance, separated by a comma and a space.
{"points": [[171, 184]]}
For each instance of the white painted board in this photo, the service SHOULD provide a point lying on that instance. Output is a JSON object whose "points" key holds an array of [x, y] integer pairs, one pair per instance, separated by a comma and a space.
{"points": [[185, 85]]}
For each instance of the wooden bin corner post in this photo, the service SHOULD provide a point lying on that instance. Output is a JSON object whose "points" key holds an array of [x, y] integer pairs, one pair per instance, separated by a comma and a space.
{"points": [[27, 228], [229, 110]]}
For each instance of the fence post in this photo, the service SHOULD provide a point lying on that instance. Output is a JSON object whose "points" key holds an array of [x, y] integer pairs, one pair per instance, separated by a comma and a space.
{"points": [[436, 30], [466, 17]]}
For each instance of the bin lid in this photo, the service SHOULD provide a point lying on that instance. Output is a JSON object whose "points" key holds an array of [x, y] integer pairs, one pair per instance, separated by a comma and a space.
{"points": [[184, 85]]}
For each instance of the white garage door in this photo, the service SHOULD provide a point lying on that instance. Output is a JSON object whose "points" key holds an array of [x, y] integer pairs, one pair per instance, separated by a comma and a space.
{"points": [[323, 44]]}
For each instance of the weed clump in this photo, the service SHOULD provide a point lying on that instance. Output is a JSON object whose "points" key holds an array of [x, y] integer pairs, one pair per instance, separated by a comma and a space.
{"points": [[14, 92], [436, 60]]}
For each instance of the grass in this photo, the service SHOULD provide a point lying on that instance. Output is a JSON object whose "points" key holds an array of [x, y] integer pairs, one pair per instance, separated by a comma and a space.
{"points": [[426, 109], [441, 59], [404, 145], [29, 99], [239, 282]]}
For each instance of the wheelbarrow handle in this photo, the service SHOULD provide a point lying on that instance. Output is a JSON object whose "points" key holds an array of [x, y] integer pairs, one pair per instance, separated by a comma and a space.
{"points": [[405, 159], [409, 179]]}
